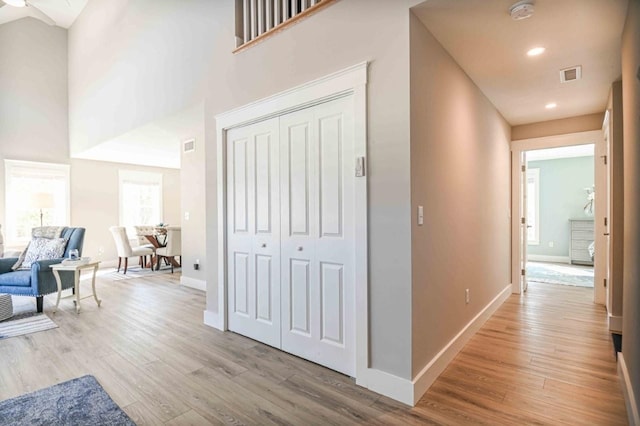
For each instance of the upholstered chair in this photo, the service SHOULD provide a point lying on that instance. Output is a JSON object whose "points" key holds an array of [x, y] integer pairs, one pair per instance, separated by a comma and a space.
{"points": [[142, 232], [173, 248], [125, 251]]}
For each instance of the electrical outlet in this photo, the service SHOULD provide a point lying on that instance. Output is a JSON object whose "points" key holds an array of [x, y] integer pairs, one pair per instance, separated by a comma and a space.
{"points": [[467, 296], [551, 244]]}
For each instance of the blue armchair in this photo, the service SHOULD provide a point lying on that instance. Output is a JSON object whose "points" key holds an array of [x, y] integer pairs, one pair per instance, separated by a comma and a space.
{"points": [[39, 280]]}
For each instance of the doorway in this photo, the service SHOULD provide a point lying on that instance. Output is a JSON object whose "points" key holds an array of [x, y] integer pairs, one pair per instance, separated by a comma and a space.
{"points": [[560, 209], [573, 253]]}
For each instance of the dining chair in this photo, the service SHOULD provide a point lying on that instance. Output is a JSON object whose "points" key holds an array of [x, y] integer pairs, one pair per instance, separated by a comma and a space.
{"points": [[125, 251], [142, 232], [172, 249]]}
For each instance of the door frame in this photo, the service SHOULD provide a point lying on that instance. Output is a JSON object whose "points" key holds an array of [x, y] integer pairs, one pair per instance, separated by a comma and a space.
{"points": [[352, 82], [517, 148]]}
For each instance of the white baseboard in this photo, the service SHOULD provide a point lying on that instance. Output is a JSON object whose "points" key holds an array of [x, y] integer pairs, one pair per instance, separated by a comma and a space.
{"points": [[389, 385], [193, 283], [545, 258], [615, 324], [437, 365], [212, 319], [108, 264], [627, 390]]}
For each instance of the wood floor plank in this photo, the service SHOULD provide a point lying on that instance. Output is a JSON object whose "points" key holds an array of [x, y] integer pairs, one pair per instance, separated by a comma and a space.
{"points": [[543, 358]]}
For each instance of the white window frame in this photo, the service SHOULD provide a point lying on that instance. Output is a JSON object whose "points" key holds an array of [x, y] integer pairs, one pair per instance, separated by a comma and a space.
{"points": [[534, 175], [151, 178], [11, 168]]}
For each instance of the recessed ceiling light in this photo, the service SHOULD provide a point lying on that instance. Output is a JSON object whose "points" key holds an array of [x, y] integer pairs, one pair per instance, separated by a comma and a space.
{"points": [[551, 105], [536, 51]]}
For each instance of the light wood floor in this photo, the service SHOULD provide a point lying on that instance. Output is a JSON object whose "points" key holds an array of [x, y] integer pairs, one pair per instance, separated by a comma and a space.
{"points": [[544, 358]]}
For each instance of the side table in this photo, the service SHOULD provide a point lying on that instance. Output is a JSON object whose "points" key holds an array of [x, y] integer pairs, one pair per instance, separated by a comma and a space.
{"points": [[77, 270]]}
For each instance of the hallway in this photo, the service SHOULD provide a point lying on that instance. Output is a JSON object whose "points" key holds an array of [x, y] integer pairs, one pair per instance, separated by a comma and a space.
{"points": [[544, 358]]}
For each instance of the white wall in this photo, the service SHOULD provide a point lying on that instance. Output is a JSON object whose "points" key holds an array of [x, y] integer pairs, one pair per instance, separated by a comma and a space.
{"points": [[128, 67], [34, 127], [460, 173], [33, 103], [95, 202]]}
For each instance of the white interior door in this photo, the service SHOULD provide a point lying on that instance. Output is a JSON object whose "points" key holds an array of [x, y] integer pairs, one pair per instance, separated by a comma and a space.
{"points": [[291, 233], [318, 234], [524, 223], [253, 231], [602, 282]]}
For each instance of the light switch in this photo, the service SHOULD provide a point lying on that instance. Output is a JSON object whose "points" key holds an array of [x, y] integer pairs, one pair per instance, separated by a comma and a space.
{"points": [[420, 215]]}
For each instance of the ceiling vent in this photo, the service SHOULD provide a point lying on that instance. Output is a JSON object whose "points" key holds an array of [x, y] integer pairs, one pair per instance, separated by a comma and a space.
{"points": [[571, 74], [189, 146]]}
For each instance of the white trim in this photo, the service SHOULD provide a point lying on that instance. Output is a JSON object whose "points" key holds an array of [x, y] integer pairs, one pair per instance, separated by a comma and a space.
{"points": [[193, 283], [545, 258], [437, 365], [104, 264], [615, 324], [212, 319], [351, 81], [534, 173], [300, 97], [518, 147], [144, 178], [627, 391], [389, 385]]}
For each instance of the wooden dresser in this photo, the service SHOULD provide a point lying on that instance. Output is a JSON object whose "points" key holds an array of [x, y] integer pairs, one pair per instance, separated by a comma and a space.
{"points": [[582, 234]]}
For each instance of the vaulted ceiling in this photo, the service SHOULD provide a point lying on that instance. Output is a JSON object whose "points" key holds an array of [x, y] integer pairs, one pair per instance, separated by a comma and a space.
{"points": [[63, 12]]}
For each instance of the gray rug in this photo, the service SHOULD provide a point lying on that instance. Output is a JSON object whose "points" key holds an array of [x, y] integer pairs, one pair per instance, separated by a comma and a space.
{"points": [[25, 324], [559, 273], [78, 402]]}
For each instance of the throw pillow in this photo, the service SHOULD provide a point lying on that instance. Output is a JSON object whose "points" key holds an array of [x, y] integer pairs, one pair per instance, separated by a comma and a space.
{"points": [[44, 249], [20, 258], [47, 232]]}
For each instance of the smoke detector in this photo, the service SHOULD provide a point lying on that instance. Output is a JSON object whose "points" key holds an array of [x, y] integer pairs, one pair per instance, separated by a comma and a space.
{"points": [[521, 10]]}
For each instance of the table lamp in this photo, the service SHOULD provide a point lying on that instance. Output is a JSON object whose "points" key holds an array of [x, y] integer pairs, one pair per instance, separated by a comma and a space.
{"points": [[42, 200]]}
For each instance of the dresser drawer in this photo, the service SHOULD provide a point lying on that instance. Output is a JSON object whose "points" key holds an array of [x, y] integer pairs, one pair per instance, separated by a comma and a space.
{"points": [[582, 224], [582, 235], [580, 244]]}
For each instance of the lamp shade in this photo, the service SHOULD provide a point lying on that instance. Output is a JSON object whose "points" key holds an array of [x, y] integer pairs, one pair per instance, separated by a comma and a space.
{"points": [[42, 200]]}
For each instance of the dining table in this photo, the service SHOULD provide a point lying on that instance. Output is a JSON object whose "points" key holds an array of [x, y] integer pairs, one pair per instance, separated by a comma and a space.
{"points": [[158, 240]]}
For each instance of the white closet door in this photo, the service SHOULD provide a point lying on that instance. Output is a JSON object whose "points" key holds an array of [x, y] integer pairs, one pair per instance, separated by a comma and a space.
{"points": [[253, 231], [318, 234]]}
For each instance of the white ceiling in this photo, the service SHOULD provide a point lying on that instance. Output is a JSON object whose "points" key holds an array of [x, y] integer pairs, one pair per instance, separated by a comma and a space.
{"points": [[491, 48], [156, 144], [63, 12], [561, 152]]}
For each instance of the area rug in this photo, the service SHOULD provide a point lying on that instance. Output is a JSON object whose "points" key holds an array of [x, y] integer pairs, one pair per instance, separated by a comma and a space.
{"points": [[78, 402], [558, 273], [25, 324], [134, 272]]}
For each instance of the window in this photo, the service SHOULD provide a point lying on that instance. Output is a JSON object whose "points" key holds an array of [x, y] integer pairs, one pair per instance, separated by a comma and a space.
{"points": [[533, 206], [36, 193], [140, 199]]}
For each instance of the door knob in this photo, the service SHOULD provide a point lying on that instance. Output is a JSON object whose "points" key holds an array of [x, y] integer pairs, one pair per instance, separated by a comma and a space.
{"points": [[299, 248], [264, 245]]}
